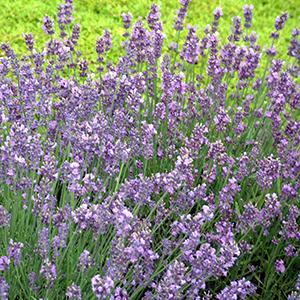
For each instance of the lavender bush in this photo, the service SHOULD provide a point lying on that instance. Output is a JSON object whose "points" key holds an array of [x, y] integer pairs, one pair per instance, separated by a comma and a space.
{"points": [[172, 174]]}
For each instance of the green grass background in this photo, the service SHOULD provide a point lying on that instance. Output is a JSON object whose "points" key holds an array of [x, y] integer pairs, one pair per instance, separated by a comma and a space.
{"points": [[18, 16]]}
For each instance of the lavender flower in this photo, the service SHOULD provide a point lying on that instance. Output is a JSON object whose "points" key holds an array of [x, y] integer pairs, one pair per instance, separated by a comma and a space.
{"points": [[85, 260], [222, 120], [4, 263], [271, 51], [172, 282], [290, 228], [103, 45], [153, 18], [73, 292], [190, 51], [65, 16], [280, 21], [120, 294], [293, 296], [269, 171], [48, 25], [279, 266], [271, 210], [15, 251], [181, 14], [43, 243], [159, 171], [29, 40], [126, 20], [102, 286], [48, 271], [32, 280], [218, 13], [294, 48], [4, 217], [240, 289], [4, 289], [139, 43], [248, 15], [236, 29], [290, 250]]}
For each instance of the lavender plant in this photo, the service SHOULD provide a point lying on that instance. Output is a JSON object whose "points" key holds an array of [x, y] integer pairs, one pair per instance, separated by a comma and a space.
{"points": [[172, 174]]}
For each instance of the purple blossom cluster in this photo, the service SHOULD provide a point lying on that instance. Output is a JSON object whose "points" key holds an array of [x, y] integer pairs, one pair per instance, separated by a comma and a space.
{"points": [[160, 176], [240, 289]]}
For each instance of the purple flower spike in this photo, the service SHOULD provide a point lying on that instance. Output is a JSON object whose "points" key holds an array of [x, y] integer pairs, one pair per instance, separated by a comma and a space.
{"points": [[4, 263], [4, 217], [4, 289], [15, 251], [248, 15], [48, 25], [102, 287], [73, 292], [279, 266], [190, 51], [237, 290]]}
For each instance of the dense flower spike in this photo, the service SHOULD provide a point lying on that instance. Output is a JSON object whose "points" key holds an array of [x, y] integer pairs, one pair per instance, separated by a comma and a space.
{"points": [[279, 266], [248, 15], [102, 287], [4, 263], [103, 45], [126, 20], [190, 51], [4, 289], [15, 251], [237, 290], [218, 13], [4, 217], [153, 18], [29, 40], [165, 174], [280, 21], [181, 14], [268, 172], [73, 292], [48, 271], [48, 26]]}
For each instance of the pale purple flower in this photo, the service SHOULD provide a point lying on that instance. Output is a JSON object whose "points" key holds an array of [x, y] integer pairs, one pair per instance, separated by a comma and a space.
{"points": [[281, 20], [14, 251], [181, 14], [268, 172], [4, 263], [218, 13], [85, 260], [240, 289], [48, 271], [190, 51], [43, 242], [29, 40], [102, 287], [48, 25], [103, 44], [120, 294], [290, 250], [172, 282], [4, 217], [236, 29], [126, 20], [248, 15], [73, 292], [279, 266], [4, 289], [153, 18]]}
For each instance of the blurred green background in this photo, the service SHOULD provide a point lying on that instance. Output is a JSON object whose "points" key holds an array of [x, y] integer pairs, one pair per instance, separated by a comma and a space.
{"points": [[18, 16]]}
